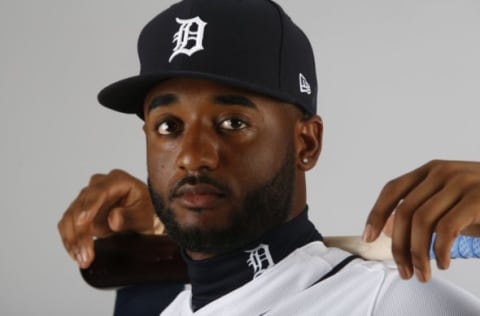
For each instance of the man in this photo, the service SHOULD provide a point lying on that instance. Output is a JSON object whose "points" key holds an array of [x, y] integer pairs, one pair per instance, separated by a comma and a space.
{"points": [[231, 128]]}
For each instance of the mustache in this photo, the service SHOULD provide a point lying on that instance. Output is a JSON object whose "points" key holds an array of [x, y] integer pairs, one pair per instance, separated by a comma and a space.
{"points": [[200, 179]]}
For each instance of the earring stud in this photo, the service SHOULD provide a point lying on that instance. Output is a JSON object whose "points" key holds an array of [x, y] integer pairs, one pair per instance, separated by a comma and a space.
{"points": [[305, 160]]}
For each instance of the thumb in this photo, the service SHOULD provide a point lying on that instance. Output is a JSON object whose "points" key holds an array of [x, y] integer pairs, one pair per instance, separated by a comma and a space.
{"points": [[373, 227], [126, 219], [376, 225]]}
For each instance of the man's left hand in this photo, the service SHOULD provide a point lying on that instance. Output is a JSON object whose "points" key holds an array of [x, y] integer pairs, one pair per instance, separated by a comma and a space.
{"points": [[441, 197]]}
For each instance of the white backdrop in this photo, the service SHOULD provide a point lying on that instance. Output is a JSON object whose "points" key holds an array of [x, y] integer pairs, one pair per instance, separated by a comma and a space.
{"points": [[399, 85]]}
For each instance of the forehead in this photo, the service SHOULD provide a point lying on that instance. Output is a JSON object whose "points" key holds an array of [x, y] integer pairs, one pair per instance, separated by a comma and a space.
{"points": [[193, 91], [197, 88]]}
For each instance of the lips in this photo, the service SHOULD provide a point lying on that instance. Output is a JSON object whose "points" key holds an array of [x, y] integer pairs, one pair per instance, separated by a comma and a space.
{"points": [[199, 196]]}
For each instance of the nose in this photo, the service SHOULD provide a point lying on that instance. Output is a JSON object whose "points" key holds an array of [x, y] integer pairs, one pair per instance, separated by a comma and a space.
{"points": [[199, 150]]}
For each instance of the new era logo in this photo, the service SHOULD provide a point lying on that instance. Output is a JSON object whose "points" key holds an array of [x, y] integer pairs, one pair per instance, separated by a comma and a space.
{"points": [[304, 85]]}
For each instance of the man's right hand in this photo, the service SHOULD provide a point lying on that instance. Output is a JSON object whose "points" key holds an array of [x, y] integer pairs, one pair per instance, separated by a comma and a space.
{"points": [[111, 203]]}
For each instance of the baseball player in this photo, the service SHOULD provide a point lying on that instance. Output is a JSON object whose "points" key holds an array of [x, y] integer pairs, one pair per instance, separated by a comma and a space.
{"points": [[227, 91]]}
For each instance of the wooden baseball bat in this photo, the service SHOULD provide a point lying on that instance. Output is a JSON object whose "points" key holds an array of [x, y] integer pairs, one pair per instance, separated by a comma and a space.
{"points": [[129, 259], [380, 249]]}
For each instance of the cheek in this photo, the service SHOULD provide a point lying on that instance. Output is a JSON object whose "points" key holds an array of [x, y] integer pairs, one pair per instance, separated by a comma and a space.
{"points": [[160, 163], [258, 162]]}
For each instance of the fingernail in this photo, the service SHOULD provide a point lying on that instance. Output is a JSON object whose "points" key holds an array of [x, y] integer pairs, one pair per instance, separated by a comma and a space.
{"points": [[420, 276], [82, 215], [115, 221], [84, 255], [403, 272], [367, 235], [443, 265], [78, 257]]}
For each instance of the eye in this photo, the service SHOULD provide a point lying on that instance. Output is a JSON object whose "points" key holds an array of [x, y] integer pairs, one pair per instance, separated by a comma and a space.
{"points": [[233, 124], [168, 127]]}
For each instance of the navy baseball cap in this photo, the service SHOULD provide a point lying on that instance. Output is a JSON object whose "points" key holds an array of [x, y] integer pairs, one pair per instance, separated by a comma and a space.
{"points": [[248, 44]]}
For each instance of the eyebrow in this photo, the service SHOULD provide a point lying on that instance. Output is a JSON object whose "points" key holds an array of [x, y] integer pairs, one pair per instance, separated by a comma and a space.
{"points": [[234, 100], [169, 99], [162, 100]]}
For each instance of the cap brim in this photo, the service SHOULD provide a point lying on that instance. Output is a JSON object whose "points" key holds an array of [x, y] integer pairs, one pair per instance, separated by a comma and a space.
{"points": [[128, 95]]}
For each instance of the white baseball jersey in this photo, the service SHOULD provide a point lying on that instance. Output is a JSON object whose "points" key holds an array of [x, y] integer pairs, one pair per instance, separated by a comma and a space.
{"points": [[293, 287]]}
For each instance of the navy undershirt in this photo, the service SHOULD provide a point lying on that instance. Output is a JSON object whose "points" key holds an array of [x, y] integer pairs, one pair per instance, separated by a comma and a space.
{"points": [[214, 277]]}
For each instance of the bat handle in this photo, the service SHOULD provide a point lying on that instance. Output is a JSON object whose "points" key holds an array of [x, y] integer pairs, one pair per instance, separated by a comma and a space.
{"points": [[463, 247]]}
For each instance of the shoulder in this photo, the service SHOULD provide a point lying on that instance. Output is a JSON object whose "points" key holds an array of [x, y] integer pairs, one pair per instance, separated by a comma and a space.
{"points": [[375, 288], [436, 297]]}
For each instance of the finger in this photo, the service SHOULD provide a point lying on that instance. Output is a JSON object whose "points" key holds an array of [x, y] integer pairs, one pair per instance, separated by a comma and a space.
{"points": [[106, 191], [94, 200], [424, 221], [472, 230], [463, 214], [102, 223], [441, 249], [124, 219], [78, 246], [65, 234], [132, 208], [82, 243], [403, 238], [85, 250], [88, 208], [68, 229], [390, 196], [99, 200], [401, 245], [77, 229]]}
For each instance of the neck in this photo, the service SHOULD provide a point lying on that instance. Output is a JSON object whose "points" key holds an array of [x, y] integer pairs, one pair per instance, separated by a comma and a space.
{"points": [[215, 276]]}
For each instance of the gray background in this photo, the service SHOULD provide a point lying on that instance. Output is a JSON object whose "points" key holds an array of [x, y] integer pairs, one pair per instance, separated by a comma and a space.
{"points": [[399, 85]]}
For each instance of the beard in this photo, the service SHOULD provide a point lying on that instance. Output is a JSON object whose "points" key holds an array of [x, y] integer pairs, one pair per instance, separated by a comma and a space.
{"points": [[263, 208]]}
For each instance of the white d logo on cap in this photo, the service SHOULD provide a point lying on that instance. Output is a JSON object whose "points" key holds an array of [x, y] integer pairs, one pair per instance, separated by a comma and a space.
{"points": [[190, 32]]}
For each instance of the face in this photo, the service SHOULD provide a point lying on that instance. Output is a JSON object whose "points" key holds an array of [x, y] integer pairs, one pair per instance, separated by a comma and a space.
{"points": [[221, 163]]}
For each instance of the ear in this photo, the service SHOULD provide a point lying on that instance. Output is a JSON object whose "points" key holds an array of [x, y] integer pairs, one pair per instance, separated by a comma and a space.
{"points": [[308, 142]]}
